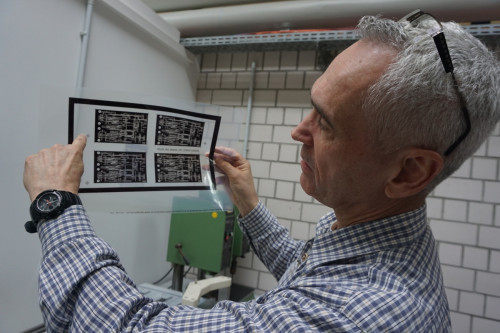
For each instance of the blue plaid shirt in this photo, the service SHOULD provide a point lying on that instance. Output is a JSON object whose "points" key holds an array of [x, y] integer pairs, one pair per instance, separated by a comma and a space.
{"points": [[373, 277]]}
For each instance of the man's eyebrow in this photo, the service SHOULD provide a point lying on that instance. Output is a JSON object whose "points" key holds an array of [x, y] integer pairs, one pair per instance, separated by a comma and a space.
{"points": [[321, 113]]}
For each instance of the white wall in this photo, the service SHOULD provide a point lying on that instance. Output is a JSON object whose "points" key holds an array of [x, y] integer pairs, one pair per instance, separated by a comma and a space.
{"points": [[39, 52]]}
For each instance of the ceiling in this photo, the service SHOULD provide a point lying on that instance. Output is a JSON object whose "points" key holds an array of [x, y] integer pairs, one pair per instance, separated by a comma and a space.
{"points": [[195, 18], [177, 5]]}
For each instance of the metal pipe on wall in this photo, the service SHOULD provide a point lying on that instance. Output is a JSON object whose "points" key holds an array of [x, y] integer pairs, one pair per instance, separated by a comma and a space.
{"points": [[84, 47], [319, 14]]}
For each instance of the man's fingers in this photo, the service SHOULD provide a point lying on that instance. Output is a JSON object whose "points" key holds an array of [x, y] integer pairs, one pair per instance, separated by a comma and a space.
{"points": [[80, 141], [223, 165]]}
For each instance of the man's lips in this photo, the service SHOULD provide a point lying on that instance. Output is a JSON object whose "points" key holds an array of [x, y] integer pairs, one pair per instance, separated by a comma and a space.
{"points": [[305, 166]]}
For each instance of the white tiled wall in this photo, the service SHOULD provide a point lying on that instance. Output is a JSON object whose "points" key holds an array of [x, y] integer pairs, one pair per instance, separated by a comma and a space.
{"points": [[464, 211]]}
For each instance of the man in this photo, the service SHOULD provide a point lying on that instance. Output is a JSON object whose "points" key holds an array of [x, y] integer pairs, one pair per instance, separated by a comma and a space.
{"points": [[388, 123]]}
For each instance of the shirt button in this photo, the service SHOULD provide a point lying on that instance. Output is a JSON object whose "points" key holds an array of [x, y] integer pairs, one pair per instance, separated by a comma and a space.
{"points": [[304, 257]]}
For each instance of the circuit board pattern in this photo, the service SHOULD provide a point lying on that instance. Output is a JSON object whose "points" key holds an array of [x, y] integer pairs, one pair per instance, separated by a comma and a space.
{"points": [[120, 127], [177, 168], [174, 131], [119, 167]]}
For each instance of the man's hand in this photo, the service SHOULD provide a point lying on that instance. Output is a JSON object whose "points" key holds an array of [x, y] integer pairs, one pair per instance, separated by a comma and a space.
{"points": [[239, 178], [59, 167]]}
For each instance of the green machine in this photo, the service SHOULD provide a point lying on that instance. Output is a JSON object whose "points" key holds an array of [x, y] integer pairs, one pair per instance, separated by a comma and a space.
{"points": [[209, 241]]}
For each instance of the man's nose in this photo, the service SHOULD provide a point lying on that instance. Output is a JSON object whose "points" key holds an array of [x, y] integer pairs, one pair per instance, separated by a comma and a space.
{"points": [[302, 132]]}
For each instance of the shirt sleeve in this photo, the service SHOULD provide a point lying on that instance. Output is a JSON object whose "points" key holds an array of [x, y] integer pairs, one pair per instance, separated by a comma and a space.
{"points": [[270, 241], [84, 288]]}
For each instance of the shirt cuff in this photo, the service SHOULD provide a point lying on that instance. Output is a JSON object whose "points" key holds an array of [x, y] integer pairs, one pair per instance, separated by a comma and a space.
{"points": [[72, 224], [257, 221]]}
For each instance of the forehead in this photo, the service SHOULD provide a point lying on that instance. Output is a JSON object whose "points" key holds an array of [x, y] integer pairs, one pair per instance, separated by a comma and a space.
{"points": [[351, 73]]}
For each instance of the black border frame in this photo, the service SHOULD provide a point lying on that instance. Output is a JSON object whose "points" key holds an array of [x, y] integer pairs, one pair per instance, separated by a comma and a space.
{"points": [[71, 136]]}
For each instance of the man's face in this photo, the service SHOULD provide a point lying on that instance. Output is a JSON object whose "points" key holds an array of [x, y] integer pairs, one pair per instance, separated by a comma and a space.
{"points": [[340, 167]]}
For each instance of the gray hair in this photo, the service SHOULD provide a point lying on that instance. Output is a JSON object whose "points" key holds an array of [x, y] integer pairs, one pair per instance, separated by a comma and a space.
{"points": [[414, 102]]}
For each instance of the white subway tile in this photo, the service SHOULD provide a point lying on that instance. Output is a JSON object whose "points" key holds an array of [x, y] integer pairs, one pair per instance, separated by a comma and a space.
{"points": [[275, 116], [261, 98], [294, 80], [246, 277], [243, 80], [312, 230], [495, 262], [258, 265], [285, 171], [227, 97], [224, 62], [452, 296], [288, 60], [288, 153], [240, 114], [239, 62], [492, 192], [254, 150], [208, 62], [286, 223], [455, 210], [284, 190], [450, 254], [484, 168], [489, 237], [496, 131], [488, 283], [202, 81], [204, 96], [454, 232], [294, 98], [228, 81], [434, 207], [310, 78], [300, 195], [300, 230], [471, 303], [456, 188], [258, 115], [261, 80], [464, 171], [459, 278], [284, 208], [497, 215], [258, 58], [277, 80], [270, 151], [307, 60], [481, 325], [246, 261], [494, 146], [481, 151], [460, 322], [476, 258], [293, 116], [266, 281], [493, 307], [313, 212], [283, 134], [480, 213], [260, 169], [262, 133], [271, 60]]}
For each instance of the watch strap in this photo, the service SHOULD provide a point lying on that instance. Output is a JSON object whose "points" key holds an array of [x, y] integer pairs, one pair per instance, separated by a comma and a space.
{"points": [[67, 199]]}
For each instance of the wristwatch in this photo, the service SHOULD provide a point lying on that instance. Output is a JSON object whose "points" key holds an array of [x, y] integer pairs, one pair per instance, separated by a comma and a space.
{"points": [[48, 205]]}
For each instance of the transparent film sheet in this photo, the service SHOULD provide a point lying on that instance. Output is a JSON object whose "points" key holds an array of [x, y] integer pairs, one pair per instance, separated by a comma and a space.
{"points": [[143, 158]]}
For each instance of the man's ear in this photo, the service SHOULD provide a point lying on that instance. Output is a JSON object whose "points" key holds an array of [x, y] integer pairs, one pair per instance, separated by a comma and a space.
{"points": [[417, 168]]}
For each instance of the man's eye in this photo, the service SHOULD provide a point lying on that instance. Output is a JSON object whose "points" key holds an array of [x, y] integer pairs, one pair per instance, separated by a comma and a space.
{"points": [[322, 124]]}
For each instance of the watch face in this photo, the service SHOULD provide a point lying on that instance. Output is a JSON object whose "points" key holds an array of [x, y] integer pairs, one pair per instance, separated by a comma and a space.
{"points": [[48, 202]]}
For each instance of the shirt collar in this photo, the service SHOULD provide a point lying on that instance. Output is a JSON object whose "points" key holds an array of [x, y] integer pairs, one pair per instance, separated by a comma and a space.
{"points": [[364, 238]]}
